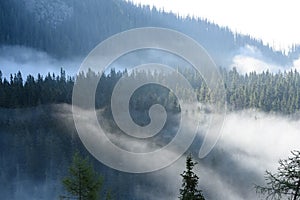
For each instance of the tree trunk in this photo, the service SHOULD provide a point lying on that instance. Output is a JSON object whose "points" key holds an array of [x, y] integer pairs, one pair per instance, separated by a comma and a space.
{"points": [[297, 190], [80, 197]]}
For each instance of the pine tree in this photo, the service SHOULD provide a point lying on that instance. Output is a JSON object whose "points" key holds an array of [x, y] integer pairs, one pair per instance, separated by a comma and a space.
{"points": [[82, 183], [284, 183], [189, 189], [0, 77]]}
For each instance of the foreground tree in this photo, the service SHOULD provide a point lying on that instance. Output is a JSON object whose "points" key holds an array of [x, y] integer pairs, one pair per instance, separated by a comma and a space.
{"points": [[189, 189], [82, 183], [285, 182]]}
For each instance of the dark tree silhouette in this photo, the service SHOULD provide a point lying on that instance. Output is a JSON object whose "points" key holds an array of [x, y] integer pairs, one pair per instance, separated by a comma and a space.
{"points": [[285, 182], [82, 183], [189, 189], [268, 92]]}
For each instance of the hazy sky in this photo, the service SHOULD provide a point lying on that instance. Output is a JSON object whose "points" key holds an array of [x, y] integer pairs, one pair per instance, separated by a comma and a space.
{"points": [[275, 22]]}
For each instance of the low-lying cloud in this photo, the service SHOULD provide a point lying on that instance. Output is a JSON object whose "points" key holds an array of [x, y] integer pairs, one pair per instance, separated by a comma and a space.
{"points": [[32, 61], [250, 59], [251, 143]]}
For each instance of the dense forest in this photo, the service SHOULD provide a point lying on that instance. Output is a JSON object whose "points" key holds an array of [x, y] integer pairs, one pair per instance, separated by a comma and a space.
{"points": [[38, 134], [68, 28], [266, 91], [36, 149], [38, 138]]}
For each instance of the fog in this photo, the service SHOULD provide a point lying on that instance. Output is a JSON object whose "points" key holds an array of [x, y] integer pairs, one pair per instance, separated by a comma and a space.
{"points": [[250, 58], [251, 142], [31, 61]]}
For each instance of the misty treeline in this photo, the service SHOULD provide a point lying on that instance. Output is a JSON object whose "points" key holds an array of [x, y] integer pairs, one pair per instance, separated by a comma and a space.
{"points": [[36, 149], [66, 28], [269, 92], [17, 92]]}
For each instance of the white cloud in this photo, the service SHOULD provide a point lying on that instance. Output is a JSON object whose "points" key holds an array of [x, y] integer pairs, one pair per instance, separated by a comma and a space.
{"points": [[296, 64], [31, 61], [250, 59], [246, 64], [275, 23], [251, 142]]}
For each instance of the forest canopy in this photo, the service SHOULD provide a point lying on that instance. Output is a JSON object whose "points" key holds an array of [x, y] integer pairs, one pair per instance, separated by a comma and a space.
{"points": [[265, 91]]}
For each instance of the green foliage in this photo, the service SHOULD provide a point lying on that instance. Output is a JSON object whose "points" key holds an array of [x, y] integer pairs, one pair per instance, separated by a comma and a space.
{"points": [[82, 183], [189, 189], [266, 91], [285, 182], [109, 196], [63, 33], [279, 93]]}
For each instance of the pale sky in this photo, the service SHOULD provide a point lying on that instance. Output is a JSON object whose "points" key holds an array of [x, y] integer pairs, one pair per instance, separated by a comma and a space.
{"points": [[275, 22]]}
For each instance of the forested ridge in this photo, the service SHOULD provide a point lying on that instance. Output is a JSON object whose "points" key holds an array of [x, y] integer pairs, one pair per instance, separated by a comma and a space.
{"points": [[68, 28], [269, 92], [37, 126]]}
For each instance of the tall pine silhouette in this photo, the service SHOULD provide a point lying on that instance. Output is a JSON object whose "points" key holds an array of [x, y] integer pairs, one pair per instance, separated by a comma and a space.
{"points": [[189, 189]]}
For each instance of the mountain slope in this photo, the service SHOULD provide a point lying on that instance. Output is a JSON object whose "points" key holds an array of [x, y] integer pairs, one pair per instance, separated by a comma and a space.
{"points": [[68, 28]]}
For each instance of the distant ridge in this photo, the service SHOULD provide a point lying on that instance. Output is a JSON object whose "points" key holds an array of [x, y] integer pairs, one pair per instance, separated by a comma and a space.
{"points": [[68, 28]]}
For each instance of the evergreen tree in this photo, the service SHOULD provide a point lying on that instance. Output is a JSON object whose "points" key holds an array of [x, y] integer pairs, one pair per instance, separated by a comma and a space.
{"points": [[189, 189], [284, 183], [266, 91], [82, 183], [0, 77]]}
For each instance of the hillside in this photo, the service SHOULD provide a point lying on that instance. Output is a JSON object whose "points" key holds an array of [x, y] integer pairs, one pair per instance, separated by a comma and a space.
{"points": [[49, 110], [68, 28]]}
